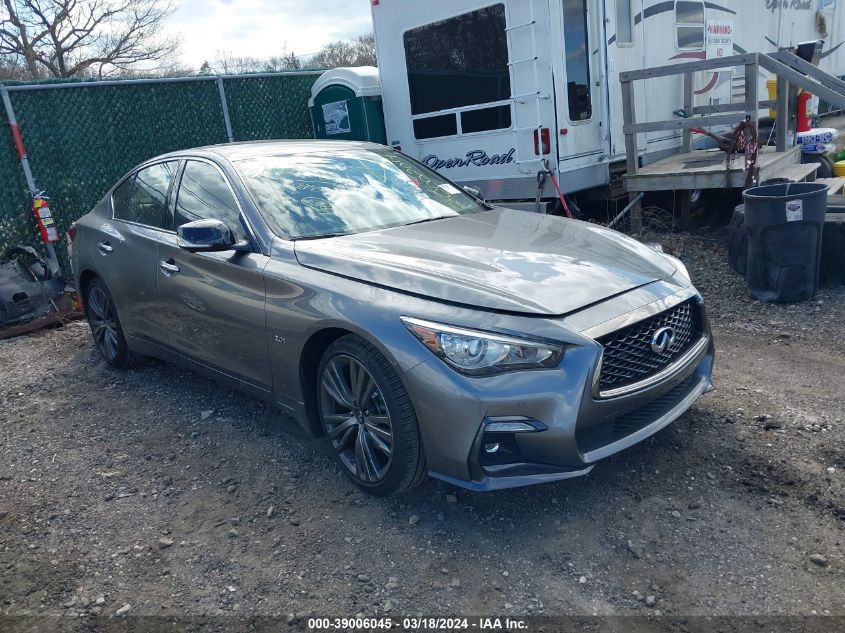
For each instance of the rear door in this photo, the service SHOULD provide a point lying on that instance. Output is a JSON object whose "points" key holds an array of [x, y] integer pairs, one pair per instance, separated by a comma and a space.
{"points": [[214, 302], [128, 247], [578, 89]]}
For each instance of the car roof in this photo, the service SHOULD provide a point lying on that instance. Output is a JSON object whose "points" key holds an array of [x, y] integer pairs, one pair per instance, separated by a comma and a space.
{"points": [[253, 149]]}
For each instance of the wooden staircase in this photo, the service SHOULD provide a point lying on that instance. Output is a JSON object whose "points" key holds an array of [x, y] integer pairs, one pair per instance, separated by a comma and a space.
{"points": [[710, 169]]}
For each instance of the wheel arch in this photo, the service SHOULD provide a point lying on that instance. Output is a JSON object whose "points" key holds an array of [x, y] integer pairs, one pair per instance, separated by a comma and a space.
{"points": [[309, 362], [85, 279]]}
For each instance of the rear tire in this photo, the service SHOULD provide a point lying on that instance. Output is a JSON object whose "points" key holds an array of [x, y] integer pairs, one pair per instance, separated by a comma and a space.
{"points": [[106, 329], [368, 418], [825, 169]]}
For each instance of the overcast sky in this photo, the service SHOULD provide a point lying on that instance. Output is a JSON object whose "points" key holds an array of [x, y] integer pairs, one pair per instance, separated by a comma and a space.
{"points": [[262, 28]]}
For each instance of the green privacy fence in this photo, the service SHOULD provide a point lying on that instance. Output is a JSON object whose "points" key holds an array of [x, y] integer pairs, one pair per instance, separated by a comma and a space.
{"points": [[81, 137]]}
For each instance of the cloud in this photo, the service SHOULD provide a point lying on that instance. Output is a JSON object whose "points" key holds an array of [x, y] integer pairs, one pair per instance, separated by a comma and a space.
{"points": [[263, 28]]}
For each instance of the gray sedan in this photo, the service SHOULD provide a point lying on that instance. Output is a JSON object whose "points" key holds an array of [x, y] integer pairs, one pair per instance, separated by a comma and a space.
{"points": [[419, 329]]}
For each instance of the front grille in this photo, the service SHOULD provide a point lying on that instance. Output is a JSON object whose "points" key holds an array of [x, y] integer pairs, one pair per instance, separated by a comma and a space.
{"points": [[628, 356]]}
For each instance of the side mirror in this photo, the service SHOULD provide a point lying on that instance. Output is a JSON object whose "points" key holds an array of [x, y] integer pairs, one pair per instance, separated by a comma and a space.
{"points": [[475, 192], [206, 236]]}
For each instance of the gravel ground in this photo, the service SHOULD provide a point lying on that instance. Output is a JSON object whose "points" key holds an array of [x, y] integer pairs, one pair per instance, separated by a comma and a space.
{"points": [[157, 492]]}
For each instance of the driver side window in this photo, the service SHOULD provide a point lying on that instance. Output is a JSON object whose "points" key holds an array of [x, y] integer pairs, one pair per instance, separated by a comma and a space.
{"points": [[204, 194]]}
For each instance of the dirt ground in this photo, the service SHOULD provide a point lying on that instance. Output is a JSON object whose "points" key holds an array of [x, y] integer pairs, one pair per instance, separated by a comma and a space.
{"points": [[157, 492]]}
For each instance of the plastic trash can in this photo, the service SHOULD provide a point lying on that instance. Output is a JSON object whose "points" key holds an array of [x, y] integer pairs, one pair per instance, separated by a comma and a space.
{"points": [[785, 223]]}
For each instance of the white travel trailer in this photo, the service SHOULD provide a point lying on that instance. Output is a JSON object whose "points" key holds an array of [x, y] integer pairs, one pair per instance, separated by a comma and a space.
{"points": [[485, 91]]}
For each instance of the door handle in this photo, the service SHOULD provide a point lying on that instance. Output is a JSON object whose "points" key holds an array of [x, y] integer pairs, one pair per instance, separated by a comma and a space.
{"points": [[105, 248], [168, 267]]}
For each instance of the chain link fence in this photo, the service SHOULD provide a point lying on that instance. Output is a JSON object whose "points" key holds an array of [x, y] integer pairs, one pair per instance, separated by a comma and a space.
{"points": [[81, 137]]}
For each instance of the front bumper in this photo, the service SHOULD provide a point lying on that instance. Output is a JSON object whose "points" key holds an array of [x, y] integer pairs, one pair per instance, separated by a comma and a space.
{"points": [[573, 426]]}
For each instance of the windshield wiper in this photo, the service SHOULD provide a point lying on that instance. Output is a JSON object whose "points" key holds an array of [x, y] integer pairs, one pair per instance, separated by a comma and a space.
{"points": [[440, 217], [303, 238]]}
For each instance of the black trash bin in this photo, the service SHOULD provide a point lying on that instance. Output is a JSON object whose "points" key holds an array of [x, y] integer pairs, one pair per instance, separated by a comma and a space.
{"points": [[785, 224]]}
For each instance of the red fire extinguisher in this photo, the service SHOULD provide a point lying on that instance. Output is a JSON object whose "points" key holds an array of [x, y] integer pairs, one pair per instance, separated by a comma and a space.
{"points": [[44, 219], [803, 116]]}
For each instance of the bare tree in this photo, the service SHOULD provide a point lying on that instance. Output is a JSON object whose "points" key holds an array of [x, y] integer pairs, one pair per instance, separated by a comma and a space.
{"points": [[12, 69], [69, 38], [334, 55], [359, 52], [225, 63], [284, 62], [228, 64], [365, 50]]}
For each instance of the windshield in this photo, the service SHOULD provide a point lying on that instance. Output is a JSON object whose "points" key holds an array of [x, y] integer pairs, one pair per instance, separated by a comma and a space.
{"points": [[317, 194]]}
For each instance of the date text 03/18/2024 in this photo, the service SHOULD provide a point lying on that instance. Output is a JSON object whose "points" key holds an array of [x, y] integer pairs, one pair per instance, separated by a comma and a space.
{"points": [[418, 624]]}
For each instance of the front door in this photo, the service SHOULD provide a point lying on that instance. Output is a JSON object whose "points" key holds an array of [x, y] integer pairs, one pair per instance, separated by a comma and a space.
{"points": [[215, 301], [579, 91]]}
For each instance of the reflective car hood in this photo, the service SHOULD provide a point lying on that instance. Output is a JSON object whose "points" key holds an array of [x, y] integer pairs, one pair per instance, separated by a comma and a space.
{"points": [[502, 259]]}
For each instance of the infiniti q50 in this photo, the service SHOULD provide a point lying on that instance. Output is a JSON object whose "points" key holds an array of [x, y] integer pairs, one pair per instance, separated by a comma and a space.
{"points": [[419, 329]]}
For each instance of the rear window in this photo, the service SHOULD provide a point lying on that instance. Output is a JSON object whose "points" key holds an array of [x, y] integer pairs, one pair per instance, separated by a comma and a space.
{"points": [[120, 197], [320, 193], [147, 200]]}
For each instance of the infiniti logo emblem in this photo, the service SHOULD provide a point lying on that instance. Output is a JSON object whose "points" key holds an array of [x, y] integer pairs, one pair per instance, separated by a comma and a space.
{"points": [[662, 340]]}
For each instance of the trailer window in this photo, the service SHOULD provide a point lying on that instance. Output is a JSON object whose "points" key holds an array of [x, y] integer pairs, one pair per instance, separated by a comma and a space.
{"points": [[459, 64], [624, 23], [577, 59], [434, 126], [689, 24]]}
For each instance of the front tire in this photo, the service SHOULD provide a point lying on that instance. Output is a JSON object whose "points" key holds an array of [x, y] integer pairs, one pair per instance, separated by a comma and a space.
{"points": [[368, 418], [106, 328]]}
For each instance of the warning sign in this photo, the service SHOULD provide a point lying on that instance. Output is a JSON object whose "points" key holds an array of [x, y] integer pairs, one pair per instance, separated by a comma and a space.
{"points": [[720, 38]]}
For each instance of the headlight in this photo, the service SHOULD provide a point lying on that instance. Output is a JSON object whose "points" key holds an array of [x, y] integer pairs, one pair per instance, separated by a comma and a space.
{"points": [[677, 263], [480, 353]]}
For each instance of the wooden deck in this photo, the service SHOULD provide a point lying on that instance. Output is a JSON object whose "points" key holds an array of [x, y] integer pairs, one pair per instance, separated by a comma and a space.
{"points": [[705, 169], [835, 192], [835, 186]]}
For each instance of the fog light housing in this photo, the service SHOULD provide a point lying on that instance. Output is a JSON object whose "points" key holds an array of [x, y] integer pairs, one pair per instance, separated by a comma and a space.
{"points": [[498, 441]]}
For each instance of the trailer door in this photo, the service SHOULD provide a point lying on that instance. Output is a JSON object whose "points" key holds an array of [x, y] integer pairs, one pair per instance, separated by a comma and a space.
{"points": [[578, 89]]}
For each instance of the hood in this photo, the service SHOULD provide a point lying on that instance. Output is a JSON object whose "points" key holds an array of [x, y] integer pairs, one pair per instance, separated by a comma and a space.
{"points": [[503, 260]]}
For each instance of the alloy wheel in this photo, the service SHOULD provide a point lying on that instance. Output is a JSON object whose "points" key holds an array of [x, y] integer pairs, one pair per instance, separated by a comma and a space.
{"points": [[356, 419], [103, 323]]}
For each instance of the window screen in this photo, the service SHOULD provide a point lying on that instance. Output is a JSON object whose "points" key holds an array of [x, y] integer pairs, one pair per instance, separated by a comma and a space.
{"points": [[689, 24], [204, 194], [459, 62], [148, 201], [577, 59], [624, 22]]}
